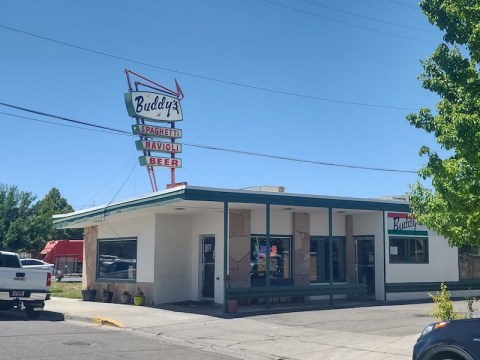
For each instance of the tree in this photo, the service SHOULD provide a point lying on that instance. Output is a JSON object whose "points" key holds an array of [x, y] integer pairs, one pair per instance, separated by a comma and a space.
{"points": [[452, 207], [15, 210], [27, 227], [42, 225]]}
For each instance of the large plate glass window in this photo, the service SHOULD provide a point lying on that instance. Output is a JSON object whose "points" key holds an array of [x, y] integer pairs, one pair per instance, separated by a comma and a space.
{"points": [[117, 259], [412, 250], [280, 253], [320, 259]]}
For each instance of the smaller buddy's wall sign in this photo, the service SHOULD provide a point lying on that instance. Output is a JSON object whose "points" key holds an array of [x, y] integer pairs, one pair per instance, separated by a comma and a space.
{"points": [[404, 224]]}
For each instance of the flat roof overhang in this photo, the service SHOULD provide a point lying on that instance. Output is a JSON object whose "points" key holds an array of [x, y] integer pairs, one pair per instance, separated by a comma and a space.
{"points": [[168, 201]]}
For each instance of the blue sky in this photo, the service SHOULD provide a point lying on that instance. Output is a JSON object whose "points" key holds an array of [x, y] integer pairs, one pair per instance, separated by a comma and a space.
{"points": [[350, 52]]}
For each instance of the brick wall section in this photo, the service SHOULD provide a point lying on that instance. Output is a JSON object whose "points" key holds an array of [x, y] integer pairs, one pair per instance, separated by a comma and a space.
{"points": [[239, 248], [89, 267], [301, 248]]}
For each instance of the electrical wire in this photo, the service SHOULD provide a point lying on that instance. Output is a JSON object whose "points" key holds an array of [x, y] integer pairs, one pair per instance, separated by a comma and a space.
{"points": [[347, 23], [370, 18], [405, 5], [233, 83], [242, 152], [60, 117], [66, 125]]}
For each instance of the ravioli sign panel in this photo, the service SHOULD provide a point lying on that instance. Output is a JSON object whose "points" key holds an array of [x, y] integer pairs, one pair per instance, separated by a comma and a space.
{"points": [[153, 106]]}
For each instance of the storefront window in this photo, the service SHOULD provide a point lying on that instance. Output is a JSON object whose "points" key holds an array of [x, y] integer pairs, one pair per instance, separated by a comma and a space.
{"points": [[469, 262], [117, 259], [408, 250], [320, 259], [280, 250]]}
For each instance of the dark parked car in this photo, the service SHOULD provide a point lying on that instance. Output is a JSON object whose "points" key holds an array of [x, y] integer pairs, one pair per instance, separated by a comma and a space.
{"points": [[454, 340]]}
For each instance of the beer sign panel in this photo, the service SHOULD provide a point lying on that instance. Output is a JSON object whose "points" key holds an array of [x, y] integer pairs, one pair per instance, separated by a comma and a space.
{"points": [[153, 106], [160, 161], [160, 146]]}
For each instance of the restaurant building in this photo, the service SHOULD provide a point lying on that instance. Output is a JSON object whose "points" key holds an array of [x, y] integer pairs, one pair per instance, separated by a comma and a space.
{"points": [[195, 243]]}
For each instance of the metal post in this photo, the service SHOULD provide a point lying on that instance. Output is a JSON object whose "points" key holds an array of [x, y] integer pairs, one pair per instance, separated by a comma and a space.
{"points": [[225, 255], [330, 249], [267, 252]]}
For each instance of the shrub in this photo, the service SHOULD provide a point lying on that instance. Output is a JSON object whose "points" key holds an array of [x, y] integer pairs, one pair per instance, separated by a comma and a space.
{"points": [[443, 309]]}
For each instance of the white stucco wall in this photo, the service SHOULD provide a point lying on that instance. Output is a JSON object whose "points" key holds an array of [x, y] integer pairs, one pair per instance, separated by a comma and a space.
{"points": [[319, 224], [371, 224], [173, 265], [442, 264], [207, 224], [281, 222], [143, 228]]}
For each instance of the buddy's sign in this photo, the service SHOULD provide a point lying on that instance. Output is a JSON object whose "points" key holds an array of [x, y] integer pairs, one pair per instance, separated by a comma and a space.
{"points": [[153, 106], [160, 106], [404, 224]]}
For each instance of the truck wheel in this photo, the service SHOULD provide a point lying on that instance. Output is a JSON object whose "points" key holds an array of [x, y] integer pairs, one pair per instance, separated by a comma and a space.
{"points": [[31, 314]]}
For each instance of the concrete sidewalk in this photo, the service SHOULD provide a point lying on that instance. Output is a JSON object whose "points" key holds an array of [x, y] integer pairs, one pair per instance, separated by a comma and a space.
{"points": [[368, 332]]}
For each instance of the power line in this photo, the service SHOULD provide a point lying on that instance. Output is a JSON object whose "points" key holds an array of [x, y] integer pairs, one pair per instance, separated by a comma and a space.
{"points": [[405, 5], [369, 18], [301, 160], [66, 125], [62, 118], [347, 23], [259, 88], [242, 152]]}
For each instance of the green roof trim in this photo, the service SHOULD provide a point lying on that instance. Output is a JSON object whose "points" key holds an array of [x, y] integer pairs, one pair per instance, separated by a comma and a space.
{"points": [[226, 195]]}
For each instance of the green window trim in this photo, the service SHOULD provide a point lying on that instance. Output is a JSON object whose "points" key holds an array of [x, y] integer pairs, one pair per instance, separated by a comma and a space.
{"points": [[408, 250]]}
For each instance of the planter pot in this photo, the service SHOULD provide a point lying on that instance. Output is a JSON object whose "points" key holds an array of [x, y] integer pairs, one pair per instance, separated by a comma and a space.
{"points": [[89, 295], [126, 299], [232, 306], [139, 300], [107, 296]]}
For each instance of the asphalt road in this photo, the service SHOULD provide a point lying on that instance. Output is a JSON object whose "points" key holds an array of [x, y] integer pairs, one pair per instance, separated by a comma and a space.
{"points": [[22, 339]]}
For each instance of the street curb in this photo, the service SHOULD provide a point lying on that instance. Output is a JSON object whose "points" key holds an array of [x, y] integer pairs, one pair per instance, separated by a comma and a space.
{"points": [[107, 322]]}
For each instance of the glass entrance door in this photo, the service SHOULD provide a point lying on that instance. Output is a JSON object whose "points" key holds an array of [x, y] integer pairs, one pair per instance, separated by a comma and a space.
{"points": [[365, 263], [208, 267]]}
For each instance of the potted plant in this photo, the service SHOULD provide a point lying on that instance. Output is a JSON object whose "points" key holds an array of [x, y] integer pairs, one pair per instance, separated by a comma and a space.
{"points": [[107, 294], [89, 294], [139, 298], [126, 298]]}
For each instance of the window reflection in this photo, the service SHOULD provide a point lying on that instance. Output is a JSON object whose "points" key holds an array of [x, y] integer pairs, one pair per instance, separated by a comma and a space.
{"points": [[279, 257], [117, 259], [320, 259]]}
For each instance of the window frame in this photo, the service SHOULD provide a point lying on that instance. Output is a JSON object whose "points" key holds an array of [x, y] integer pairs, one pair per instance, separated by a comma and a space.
{"points": [[116, 240], [408, 239]]}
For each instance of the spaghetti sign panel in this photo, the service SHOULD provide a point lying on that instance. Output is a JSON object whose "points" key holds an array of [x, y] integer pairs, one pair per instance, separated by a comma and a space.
{"points": [[153, 106], [156, 131]]}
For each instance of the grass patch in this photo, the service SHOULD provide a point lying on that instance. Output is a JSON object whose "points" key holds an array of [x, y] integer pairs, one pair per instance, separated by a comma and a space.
{"points": [[71, 290]]}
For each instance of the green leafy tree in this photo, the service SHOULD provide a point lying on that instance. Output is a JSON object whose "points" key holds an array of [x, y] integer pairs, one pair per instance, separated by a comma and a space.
{"points": [[41, 222], [15, 212], [452, 208]]}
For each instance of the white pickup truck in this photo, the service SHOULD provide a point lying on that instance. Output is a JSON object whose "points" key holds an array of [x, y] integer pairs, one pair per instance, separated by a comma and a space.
{"points": [[21, 286]]}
